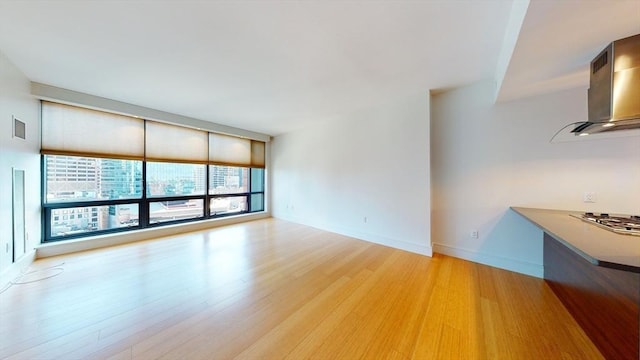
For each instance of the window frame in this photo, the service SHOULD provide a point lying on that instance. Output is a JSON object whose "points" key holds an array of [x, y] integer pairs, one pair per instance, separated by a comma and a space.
{"points": [[143, 204]]}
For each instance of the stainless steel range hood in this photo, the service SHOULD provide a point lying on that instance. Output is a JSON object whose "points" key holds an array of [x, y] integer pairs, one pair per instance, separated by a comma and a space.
{"points": [[614, 89]]}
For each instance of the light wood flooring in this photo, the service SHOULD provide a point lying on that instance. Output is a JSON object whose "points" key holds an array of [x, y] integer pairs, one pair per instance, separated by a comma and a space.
{"points": [[270, 289]]}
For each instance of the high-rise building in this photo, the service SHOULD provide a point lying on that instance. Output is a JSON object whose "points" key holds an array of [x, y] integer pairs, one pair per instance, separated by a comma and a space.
{"points": [[227, 179], [71, 177], [120, 179]]}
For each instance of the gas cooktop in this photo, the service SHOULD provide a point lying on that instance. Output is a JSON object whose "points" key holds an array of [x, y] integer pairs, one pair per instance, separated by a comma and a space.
{"points": [[622, 224]]}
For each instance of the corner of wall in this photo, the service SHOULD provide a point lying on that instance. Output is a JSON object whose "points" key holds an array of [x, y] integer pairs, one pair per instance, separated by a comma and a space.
{"points": [[18, 153], [350, 174]]}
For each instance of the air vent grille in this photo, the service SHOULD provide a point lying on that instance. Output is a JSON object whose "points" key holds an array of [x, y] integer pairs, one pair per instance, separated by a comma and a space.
{"points": [[19, 129], [600, 62]]}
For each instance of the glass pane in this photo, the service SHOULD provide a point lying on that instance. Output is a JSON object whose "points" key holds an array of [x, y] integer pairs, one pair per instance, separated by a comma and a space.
{"points": [[228, 205], [74, 178], [162, 211], [257, 202], [88, 219], [257, 180], [228, 179], [171, 179]]}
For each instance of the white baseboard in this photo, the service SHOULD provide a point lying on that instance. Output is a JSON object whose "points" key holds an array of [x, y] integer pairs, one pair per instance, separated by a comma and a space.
{"points": [[17, 268], [97, 242], [422, 249], [531, 269], [394, 243]]}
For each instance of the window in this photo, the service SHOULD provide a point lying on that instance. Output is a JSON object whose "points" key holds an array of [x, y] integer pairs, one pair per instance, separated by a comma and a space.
{"points": [[245, 184], [116, 173], [102, 179], [228, 205], [172, 210], [257, 202], [257, 190], [106, 217], [228, 179], [171, 179]]}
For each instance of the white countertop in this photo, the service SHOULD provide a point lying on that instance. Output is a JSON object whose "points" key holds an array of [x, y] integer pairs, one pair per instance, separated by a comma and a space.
{"points": [[599, 246]]}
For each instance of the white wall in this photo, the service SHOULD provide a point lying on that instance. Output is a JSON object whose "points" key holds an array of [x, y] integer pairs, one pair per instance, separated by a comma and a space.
{"points": [[373, 164], [486, 158], [15, 100]]}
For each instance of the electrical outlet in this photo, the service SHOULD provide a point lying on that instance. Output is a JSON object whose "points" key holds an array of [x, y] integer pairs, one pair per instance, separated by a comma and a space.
{"points": [[589, 197], [364, 219], [7, 248], [474, 234]]}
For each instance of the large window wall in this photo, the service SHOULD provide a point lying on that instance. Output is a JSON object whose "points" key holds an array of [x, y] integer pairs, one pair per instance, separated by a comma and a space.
{"points": [[149, 174]]}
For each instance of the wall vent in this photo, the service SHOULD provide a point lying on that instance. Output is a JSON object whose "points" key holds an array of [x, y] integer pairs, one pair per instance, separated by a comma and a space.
{"points": [[19, 129]]}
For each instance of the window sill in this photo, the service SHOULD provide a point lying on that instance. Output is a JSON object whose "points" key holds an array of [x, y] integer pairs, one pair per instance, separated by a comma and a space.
{"points": [[101, 241]]}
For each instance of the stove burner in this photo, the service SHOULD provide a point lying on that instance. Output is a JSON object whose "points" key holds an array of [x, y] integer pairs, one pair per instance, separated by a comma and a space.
{"points": [[629, 225]]}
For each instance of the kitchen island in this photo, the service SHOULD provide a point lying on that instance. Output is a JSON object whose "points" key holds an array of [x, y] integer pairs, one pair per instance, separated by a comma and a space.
{"points": [[596, 275]]}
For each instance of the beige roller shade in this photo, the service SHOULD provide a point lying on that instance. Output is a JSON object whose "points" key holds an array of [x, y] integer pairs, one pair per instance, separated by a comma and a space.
{"points": [[257, 154], [70, 130], [165, 142], [235, 151]]}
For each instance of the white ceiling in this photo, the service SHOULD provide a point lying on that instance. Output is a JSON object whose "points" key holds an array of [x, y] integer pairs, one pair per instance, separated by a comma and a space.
{"points": [[275, 66]]}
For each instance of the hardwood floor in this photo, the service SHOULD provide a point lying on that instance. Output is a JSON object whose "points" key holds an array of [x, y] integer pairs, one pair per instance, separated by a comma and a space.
{"points": [[270, 289]]}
